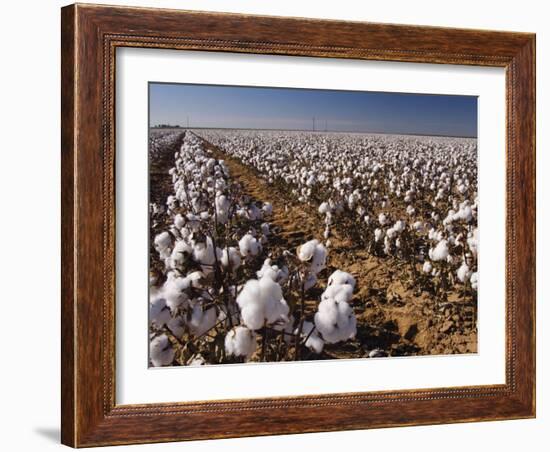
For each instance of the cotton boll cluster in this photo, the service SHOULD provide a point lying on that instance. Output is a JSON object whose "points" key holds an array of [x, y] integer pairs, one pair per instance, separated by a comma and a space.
{"points": [[249, 246], [161, 352], [200, 320], [262, 303], [240, 342], [464, 273], [440, 252], [230, 258], [335, 319], [314, 254], [159, 312]]}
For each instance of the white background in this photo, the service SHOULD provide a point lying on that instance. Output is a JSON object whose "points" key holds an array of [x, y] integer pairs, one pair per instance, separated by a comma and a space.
{"points": [[137, 384], [29, 389]]}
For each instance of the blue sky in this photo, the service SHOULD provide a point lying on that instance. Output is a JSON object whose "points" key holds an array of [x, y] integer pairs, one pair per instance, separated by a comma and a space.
{"points": [[294, 109]]}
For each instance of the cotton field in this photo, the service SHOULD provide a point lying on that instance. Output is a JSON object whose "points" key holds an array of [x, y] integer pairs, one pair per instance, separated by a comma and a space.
{"points": [[282, 246]]}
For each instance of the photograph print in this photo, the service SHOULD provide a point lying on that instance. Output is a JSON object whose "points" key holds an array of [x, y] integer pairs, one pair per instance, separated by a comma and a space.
{"points": [[303, 224]]}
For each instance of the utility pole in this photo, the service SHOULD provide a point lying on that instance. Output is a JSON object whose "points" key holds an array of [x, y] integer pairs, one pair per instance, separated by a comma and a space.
{"points": [[313, 120], [187, 121]]}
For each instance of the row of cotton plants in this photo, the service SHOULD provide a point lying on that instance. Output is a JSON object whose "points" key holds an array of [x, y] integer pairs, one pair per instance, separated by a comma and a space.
{"points": [[408, 198], [219, 291]]}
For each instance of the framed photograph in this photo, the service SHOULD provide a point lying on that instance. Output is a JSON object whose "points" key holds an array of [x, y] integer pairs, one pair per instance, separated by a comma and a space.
{"points": [[282, 225]]}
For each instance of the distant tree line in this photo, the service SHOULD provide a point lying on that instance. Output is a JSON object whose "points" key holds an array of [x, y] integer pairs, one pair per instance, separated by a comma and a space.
{"points": [[167, 126]]}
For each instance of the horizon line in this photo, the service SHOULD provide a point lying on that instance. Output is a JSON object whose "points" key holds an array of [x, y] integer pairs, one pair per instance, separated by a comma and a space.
{"points": [[316, 131]]}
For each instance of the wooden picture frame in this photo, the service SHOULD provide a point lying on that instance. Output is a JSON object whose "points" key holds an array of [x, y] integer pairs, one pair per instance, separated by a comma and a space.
{"points": [[90, 35]]}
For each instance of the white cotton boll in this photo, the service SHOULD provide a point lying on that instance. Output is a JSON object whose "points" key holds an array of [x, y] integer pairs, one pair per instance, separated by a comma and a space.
{"points": [[163, 241], [410, 210], [326, 233], [335, 321], [173, 291], [463, 273], [450, 259], [310, 281], [159, 312], [450, 217], [177, 326], [378, 234], [193, 222], [161, 352], [474, 280], [387, 245], [202, 321], [314, 341], [249, 246], [230, 258], [222, 203], [473, 241], [252, 315], [418, 226], [204, 254], [340, 277], [390, 233], [267, 209], [268, 270], [464, 214], [338, 292], [196, 279], [427, 267], [440, 252], [181, 252], [222, 208], [179, 221], [366, 219], [261, 301], [240, 342], [171, 202], [265, 229], [324, 208], [306, 251], [196, 361], [319, 259], [399, 226], [382, 219], [185, 233]]}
